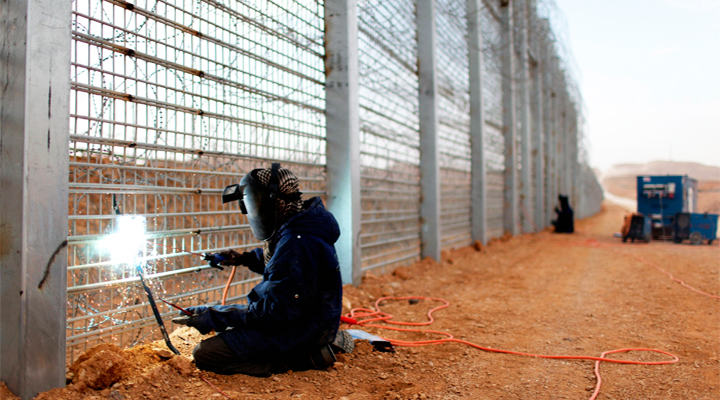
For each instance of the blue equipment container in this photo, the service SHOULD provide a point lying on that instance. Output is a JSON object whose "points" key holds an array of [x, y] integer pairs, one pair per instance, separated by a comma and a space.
{"points": [[696, 227], [662, 197]]}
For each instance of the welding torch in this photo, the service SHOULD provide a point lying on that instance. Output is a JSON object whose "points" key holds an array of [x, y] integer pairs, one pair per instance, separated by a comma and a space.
{"points": [[213, 258]]}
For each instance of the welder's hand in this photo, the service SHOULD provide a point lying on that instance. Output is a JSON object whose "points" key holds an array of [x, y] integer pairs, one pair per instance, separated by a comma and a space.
{"points": [[197, 320], [182, 320], [233, 258], [214, 259]]}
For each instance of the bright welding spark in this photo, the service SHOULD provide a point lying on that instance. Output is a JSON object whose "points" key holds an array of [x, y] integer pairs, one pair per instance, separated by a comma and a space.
{"points": [[127, 244]]}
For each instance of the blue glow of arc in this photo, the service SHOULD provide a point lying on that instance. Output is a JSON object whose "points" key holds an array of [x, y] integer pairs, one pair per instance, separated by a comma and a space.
{"points": [[128, 242]]}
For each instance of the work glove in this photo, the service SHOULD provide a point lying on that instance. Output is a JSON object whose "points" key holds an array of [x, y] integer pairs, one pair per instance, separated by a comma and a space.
{"points": [[229, 258], [214, 259], [197, 320]]}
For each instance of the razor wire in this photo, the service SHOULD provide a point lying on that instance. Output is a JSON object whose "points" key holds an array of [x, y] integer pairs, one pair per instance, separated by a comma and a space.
{"points": [[171, 101]]}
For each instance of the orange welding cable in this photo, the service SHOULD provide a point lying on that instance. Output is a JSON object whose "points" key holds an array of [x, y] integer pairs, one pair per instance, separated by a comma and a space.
{"points": [[227, 285], [215, 387], [378, 315], [613, 247]]}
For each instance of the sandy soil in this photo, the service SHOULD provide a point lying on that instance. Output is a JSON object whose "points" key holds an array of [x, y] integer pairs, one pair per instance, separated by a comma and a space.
{"points": [[540, 293]]}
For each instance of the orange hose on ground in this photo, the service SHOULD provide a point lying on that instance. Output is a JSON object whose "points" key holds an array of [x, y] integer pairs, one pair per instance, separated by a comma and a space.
{"points": [[370, 315], [613, 247], [215, 387]]}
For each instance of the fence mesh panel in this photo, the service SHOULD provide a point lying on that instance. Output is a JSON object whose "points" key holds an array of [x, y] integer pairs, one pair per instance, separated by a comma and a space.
{"points": [[492, 102], [389, 134], [454, 123], [171, 101]]}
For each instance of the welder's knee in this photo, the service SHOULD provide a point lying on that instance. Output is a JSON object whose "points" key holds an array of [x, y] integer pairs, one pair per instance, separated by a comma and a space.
{"points": [[213, 353], [216, 356]]}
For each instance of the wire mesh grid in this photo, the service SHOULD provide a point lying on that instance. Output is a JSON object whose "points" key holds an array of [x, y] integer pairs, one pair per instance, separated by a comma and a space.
{"points": [[521, 87], [528, 32], [171, 101], [492, 101], [454, 123], [389, 134], [538, 142]]}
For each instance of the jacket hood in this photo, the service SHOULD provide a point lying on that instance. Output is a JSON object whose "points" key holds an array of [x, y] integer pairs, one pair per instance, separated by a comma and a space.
{"points": [[313, 220], [564, 202]]}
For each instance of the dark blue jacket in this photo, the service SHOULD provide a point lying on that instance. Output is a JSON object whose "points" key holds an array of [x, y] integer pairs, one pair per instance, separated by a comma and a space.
{"points": [[565, 222], [299, 301]]}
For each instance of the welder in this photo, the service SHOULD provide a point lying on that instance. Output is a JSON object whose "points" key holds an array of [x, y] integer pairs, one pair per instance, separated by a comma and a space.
{"points": [[565, 218], [292, 316]]}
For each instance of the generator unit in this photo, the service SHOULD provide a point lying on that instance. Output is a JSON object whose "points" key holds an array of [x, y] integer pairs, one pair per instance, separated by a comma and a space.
{"points": [[695, 227], [662, 197]]}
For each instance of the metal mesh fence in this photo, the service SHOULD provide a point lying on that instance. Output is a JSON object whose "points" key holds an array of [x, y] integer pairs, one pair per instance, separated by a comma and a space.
{"points": [[492, 102], [171, 101], [454, 123], [389, 134]]}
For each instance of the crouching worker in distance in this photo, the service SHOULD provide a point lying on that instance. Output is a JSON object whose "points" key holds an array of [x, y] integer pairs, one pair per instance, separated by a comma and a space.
{"points": [[565, 221], [292, 315]]}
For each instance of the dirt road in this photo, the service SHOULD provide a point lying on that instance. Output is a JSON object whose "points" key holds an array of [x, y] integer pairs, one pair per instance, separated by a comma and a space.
{"points": [[541, 293]]}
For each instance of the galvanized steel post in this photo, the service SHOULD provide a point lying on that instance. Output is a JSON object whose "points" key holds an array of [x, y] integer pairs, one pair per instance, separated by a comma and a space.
{"points": [[509, 123], [564, 136], [572, 154], [537, 123], [429, 149], [547, 124], [34, 112], [559, 131], [551, 123], [343, 130], [477, 124], [523, 80]]}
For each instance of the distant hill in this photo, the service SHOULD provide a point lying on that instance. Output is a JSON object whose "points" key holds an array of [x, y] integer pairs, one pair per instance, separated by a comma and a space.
{"points": [[620, 180], [693, 170]]}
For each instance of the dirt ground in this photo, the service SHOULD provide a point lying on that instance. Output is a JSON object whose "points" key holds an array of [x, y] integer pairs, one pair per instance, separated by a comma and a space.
{"points": [[540, 293]]}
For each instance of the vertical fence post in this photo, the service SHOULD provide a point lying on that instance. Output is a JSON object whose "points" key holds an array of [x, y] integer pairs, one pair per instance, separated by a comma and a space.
{"points": [[429, 152], [578, 169], [34, 112], [523, 81], [537, 123], [557, 128], [548, 114], [343, 130], [509, 123], [551, 99], [558, 131], [572, 169], [564, 135], [477, 123]]}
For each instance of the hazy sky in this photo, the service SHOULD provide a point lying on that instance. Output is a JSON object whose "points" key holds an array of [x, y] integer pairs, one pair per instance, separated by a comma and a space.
{"points": [[649, 72]]}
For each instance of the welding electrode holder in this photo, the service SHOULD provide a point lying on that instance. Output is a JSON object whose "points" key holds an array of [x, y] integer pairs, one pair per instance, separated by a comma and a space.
{"points": [[214, 260], [156, 313], [182, 320]]}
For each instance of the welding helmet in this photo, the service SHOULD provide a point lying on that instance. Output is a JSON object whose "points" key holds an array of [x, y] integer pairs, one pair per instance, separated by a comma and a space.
{"points": [[258, 201]]}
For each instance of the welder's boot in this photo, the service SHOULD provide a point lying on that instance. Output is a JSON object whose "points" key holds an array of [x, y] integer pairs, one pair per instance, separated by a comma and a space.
{"points": [[322, 358], [343, 343], [303, 360]]}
